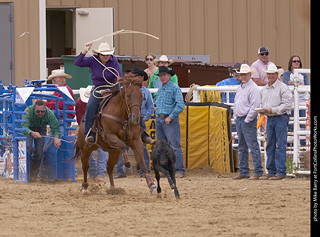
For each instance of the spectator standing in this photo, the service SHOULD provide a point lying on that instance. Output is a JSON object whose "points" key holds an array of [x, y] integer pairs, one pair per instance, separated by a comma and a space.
{"points": [[152, 68], [147, 109], [155, 81], [37, 117], [261, 65], [232, 81], [58, 77], [246, 101], [288, 77], [97, 167], [276, 102], [170, 104]]}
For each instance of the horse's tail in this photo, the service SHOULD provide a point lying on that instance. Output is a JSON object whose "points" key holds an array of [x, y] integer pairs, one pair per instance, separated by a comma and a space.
{"points": [[77, 152]]}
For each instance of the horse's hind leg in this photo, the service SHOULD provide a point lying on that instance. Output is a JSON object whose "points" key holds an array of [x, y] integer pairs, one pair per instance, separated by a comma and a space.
{"points": [[112, 161]]}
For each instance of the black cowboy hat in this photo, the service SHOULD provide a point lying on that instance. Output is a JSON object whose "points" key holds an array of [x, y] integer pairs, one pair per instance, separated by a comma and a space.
{"points": [[164, 69], [137, 70]]}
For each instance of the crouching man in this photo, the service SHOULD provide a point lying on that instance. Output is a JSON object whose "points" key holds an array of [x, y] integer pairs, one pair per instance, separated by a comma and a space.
{"points": [[37, 117]]}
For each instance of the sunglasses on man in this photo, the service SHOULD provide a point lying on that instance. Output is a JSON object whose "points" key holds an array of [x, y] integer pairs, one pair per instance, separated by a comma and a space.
{"points": [[264, 54], [40, 111]]}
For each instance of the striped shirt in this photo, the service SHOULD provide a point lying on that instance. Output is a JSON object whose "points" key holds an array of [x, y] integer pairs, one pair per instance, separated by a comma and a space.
{"points": [[169, 100]]}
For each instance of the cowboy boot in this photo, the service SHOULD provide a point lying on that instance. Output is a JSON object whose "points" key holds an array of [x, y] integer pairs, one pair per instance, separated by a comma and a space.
{"points": [[148, 139]]}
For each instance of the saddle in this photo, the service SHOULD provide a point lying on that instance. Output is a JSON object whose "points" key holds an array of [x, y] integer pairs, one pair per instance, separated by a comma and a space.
{"points": [[107, 94]]}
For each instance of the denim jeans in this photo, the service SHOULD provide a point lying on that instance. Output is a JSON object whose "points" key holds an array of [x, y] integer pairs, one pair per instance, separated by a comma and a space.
{"points": [[247, 139], [143, 125], [277, 127], [98, 167], [36, 153], [171, 133], [146, 159], [91, 110], [120, 164]]}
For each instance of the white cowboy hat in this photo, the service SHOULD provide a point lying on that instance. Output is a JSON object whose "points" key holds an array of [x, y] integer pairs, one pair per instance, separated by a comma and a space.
{"points": [[104, 49], [58, 73], [272, 68], [245, 68], [85, 93], [163, 58]]}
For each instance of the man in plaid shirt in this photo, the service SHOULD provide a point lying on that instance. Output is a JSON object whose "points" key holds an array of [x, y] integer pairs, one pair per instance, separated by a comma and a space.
{"points": [[170, 104]]}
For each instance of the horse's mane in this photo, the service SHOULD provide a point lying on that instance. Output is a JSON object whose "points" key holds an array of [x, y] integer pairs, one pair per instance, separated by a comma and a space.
{"points": [[128, 79]]}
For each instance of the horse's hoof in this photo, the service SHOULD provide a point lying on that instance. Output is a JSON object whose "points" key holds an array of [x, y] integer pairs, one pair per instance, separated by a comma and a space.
{"points": [[126, 169], [153, 189], [85, 191]]}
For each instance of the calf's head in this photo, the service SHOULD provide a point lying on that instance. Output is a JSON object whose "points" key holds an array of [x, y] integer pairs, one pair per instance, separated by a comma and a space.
{"points": [[164, 152]]}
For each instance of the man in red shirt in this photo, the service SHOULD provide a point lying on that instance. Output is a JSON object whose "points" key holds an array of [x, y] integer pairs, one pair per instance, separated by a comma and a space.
{"points": [[58, 77], [81, 102]]}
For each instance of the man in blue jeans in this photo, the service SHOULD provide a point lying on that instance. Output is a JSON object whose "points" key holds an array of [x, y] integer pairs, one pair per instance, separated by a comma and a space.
{"points": [[147, 109], [276, 102], [170, 104], [246, 101]]}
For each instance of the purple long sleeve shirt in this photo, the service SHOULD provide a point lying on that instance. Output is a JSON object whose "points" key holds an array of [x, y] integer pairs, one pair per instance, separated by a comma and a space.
{"points": [[247, 99], [97, 68]]}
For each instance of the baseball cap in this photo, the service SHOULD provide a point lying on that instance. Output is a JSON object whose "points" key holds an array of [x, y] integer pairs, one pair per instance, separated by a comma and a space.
{"points": [[263, 49]]}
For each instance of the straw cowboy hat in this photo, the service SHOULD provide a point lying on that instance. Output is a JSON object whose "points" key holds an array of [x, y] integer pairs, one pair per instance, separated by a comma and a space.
{"points": [[245, 68], [58, 73], [85, 93], [163, 58], [104, 49], [272, 68]]}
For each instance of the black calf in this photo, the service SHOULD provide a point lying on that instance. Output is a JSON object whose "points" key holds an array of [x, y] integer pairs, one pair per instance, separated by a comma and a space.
{"points": [[163, 159]]}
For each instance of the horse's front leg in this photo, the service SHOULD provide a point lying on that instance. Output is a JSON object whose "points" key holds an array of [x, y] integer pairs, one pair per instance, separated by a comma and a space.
{"points": [[115, 142], [85, 167], [112, 161], [137, 147]]}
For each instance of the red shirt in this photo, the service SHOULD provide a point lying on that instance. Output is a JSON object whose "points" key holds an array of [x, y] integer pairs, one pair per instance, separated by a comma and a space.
{"points": [[51, 104], [80, 110]]}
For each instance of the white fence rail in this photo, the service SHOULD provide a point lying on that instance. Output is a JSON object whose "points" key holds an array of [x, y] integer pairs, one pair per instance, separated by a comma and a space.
{"points": [[298, 134]]}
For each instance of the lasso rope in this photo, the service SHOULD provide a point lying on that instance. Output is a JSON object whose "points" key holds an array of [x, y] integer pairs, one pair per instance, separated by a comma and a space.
{"points": [[111, 69], [189, 95]]}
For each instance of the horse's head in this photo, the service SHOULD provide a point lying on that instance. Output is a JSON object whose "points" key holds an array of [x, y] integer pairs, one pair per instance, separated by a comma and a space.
{"points": [[132, 96]]}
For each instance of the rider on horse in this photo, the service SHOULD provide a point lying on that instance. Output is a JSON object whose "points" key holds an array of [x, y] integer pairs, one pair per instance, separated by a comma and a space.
{"points": [[101, 78]]}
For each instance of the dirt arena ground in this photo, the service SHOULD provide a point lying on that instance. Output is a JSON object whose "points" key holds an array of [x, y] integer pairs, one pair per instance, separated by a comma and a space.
{"points": [[211, 204]]}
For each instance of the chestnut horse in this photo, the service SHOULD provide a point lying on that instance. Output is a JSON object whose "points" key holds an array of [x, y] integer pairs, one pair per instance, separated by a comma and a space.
{"points": [[119, 125]]}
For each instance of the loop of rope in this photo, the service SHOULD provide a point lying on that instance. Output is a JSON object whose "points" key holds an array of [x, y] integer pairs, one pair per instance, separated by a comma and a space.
{"points": [[111, 69]]}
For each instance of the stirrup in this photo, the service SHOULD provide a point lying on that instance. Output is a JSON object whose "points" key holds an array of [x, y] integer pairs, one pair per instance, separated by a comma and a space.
{"points": [[88, 138]]}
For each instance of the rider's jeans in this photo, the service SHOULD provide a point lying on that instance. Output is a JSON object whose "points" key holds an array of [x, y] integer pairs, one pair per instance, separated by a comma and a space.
{"points": [[91, 110]]}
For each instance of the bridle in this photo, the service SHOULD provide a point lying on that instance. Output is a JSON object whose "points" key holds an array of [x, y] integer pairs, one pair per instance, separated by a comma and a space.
{"points": [[125, 101]]}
